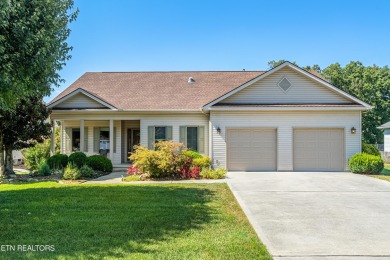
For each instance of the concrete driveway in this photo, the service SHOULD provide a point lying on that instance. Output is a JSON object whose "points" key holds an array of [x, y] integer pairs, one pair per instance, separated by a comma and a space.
{"points": [[317, 215]]}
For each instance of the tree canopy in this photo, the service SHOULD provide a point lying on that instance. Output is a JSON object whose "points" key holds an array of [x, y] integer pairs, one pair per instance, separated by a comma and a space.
{"points": [[33, 47], [370, 84]]}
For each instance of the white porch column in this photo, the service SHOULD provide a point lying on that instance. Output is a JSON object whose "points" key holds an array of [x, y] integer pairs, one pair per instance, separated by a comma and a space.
{"points": [[52, 139], [111, 140], [82, 148]]}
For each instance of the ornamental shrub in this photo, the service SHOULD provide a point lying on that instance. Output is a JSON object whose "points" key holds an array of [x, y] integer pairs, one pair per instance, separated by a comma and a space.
{"points": [[133, 170], [78, 158], [213, 174], [99, 163], [166, 160], [71, 172], [33, 155], [86, 171], [193, 154], [203, 162], [370, 149], [57, 161], [43, 168], [366, 163]]}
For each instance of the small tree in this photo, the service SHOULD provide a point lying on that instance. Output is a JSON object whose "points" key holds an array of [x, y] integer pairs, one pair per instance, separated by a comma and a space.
{"points": [[24, 128]]}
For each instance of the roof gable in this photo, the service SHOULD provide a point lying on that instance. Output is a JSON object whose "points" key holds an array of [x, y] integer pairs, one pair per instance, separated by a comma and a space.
{"points": [[80, 99], [286, 84]]}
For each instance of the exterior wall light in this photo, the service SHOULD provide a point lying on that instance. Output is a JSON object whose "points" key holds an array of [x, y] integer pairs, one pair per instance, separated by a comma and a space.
{"points": [[353, 130], [218, 130]]}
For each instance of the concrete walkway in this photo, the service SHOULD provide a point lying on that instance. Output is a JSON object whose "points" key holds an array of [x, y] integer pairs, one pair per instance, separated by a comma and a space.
{"points": [[317, 215]]}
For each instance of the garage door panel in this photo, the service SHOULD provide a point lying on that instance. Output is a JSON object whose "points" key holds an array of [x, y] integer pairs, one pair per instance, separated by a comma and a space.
{"points": [[319, 149], [251, 149]]}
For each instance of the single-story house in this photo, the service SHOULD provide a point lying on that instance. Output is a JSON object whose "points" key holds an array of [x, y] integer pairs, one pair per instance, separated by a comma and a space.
{"points": [[284, 119], [386, 132]]}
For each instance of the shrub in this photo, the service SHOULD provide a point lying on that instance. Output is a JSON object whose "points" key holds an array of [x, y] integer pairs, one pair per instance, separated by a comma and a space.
{"points": [[43, 168], [71, 172], [99, 163], [166, 160], [132, 178], [370, 149], [133, 170], [365, 163], [86, 171], [78, 158], [58, 161], [203, 162], [33, 155], [193, 154], [213, 174]]}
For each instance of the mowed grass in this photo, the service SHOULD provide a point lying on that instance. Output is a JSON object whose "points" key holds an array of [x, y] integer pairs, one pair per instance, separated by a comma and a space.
{"points": [[385, 174], [182, 221], [386, 170]]}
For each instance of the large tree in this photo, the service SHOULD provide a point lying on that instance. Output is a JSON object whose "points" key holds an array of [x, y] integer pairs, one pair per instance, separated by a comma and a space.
{"points": [[33, 49], [368, 83]]}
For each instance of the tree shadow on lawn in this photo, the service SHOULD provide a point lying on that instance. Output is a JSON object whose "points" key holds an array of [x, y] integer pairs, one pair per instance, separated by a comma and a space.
{"points": [[101, 221]]}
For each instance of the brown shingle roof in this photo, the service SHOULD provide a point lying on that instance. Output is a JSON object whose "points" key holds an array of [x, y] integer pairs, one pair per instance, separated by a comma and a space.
{"points": [[160, 90]]}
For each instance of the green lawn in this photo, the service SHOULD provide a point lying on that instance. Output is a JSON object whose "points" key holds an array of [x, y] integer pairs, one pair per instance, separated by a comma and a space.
{"points": [[386, 170], [182, 221]]}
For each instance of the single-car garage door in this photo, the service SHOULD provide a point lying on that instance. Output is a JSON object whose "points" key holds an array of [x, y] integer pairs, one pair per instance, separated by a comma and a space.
{"points": [[251, 149], [319, 149]]}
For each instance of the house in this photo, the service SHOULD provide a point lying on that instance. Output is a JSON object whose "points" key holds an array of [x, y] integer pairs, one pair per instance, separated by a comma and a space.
{"points": [[284, 119], [386, 132]]}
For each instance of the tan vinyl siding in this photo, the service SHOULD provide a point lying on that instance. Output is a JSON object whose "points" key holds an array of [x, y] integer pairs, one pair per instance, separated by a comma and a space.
{"points": [[284, 122], [303, 90], [80, 101]]}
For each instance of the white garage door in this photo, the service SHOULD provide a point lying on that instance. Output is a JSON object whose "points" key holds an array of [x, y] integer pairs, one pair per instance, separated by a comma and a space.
{"points": [[251, 149], [319, 149]]}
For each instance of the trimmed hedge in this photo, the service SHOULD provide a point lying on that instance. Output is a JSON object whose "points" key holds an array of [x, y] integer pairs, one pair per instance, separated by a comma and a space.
{"points": [[370, 149], [78, 158], [99, 163], [58, 161], [366, 163]]}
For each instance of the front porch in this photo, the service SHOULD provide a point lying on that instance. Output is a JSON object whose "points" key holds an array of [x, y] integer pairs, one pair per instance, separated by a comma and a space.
{"points": [[114, 139]]}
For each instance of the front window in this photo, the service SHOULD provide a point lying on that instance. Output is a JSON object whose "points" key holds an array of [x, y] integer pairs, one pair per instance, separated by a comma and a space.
{"points": [[104, 139], [160, 133], [75, 139], [192, 138]]}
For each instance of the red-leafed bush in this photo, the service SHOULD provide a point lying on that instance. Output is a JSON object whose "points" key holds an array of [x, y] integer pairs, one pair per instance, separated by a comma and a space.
{"points": [[189, 171], [133, 170]]}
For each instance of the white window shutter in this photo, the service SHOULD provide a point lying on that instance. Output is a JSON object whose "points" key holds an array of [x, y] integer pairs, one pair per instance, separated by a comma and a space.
{"points": [[201, 139]]}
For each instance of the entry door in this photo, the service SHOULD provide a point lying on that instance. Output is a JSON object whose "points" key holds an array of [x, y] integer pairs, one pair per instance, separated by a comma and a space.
{"points": [[133, 138]]}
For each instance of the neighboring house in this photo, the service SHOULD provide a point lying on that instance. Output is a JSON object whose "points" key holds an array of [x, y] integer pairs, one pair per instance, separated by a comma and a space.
{"points": [[18, 157], [284, 119], [386, 132]]}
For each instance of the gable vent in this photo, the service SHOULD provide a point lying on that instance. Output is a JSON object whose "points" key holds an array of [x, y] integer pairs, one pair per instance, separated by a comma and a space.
{"points": [[284, 84], [191, 80]]}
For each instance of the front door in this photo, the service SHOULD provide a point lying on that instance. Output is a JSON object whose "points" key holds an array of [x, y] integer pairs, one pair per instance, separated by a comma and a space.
{"points": [[133, 138]]}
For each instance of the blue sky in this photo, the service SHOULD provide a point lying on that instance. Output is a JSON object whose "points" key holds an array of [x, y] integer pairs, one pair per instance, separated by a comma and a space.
{"points": [[126, 35]]}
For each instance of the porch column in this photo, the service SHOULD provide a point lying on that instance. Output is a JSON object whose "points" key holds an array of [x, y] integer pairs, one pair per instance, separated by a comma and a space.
{"points": [[111, 140], [82, 148], [52, 139]]}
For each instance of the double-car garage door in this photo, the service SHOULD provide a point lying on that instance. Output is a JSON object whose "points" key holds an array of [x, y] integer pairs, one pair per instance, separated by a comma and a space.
{"points": [[314, 149]]}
